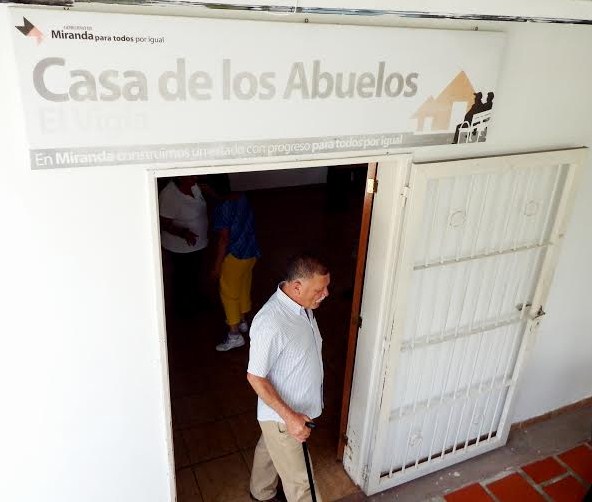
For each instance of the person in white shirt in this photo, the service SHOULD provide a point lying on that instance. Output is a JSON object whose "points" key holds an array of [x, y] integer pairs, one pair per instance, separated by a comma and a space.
{"points": [[286, 371], [184, 236]]}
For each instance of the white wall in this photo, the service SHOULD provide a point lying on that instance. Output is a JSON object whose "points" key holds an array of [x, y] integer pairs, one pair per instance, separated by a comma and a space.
{"points": [[558, 372], [80, 363], [80, 367]]}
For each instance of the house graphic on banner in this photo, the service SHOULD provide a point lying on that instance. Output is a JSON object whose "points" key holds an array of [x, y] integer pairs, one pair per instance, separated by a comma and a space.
{"points": [[448, 109]]}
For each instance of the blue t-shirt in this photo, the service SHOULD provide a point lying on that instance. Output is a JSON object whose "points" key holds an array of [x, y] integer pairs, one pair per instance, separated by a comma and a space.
{"points": [[236, 215]]}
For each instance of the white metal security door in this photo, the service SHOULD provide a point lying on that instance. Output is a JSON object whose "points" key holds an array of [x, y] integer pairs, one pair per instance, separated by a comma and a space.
{"points": [[477, 253]]}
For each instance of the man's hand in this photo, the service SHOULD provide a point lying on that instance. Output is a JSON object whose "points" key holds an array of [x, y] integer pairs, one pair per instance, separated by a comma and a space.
{"points": [[296, 424], [168, 225], [189, 236]]}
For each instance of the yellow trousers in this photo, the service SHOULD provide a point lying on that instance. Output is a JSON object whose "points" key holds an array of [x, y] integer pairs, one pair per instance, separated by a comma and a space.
{"points": [[235, 287]]}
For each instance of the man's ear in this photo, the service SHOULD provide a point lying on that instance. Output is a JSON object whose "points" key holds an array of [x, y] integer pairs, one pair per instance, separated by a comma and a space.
{"points": [[297, 285]]}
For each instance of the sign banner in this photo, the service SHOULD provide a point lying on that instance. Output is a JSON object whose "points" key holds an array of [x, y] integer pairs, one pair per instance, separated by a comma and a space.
{"points": [[105, 89]]}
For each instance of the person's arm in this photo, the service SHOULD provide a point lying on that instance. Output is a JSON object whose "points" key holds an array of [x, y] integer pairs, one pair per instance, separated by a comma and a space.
{"points": [[221, 251], [169, 226], [295, 422]]}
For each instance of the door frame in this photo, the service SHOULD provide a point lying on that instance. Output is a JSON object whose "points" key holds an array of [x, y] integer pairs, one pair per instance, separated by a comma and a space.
{"points": [[373, 337], [151, 181], [355, 320]]}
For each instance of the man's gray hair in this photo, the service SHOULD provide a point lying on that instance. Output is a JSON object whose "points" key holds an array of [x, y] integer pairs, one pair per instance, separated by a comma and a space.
{"points": [[305, 266]]}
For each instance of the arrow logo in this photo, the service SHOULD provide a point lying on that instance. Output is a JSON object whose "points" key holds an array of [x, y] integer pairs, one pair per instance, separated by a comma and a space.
{"points": [[29, 30]]}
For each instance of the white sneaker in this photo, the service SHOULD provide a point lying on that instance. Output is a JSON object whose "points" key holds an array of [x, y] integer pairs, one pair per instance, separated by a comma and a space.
{"points": [[243, 327], [232, 342]]}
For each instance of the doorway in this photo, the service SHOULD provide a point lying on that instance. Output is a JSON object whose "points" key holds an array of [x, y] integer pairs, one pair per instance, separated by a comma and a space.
{"points": [[212, 405]]}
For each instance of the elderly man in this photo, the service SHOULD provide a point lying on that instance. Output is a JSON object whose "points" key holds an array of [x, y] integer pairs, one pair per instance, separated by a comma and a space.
{"points": [[286, 371]]}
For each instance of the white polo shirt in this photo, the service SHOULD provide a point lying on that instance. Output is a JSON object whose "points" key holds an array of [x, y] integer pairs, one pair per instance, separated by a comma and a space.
{"points": [[286, 349], [187, 212]]}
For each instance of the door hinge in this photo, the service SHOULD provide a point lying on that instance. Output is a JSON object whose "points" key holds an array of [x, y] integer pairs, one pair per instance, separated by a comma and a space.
{"points": [[359, 322], [405, 192], [371, 185]]}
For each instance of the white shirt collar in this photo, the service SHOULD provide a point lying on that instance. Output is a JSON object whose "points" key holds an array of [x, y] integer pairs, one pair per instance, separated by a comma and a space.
{"points": [[288, 302]]}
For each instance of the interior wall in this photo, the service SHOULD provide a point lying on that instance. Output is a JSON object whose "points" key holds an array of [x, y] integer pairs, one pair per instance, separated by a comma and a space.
{"points": [[276, 179], [81, 358]]}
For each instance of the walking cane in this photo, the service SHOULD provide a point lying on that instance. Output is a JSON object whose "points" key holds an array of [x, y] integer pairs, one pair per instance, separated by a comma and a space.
{"points": [[310, 425]]}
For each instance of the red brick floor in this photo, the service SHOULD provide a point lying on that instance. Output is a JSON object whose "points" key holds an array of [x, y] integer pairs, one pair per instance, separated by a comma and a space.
{"points": [[567, 489], [561, 478], [471, 493], [514, 487], [580, 461], [544, 470]]}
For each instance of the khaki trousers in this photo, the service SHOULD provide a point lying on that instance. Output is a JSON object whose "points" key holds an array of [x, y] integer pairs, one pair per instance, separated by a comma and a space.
{"points": [[279, 453]]}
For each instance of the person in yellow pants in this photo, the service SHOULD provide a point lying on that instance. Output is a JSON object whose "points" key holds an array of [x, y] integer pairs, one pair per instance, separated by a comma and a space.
{"points": [[235, 289], [236, 254]]}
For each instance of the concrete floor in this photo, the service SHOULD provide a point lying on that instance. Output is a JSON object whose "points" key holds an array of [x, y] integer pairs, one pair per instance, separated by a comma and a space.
{"points": [[524, 446]]}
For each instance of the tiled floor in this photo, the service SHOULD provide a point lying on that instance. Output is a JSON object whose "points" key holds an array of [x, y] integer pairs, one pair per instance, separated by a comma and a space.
{"points": [[561, 478], [213, 407]]}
